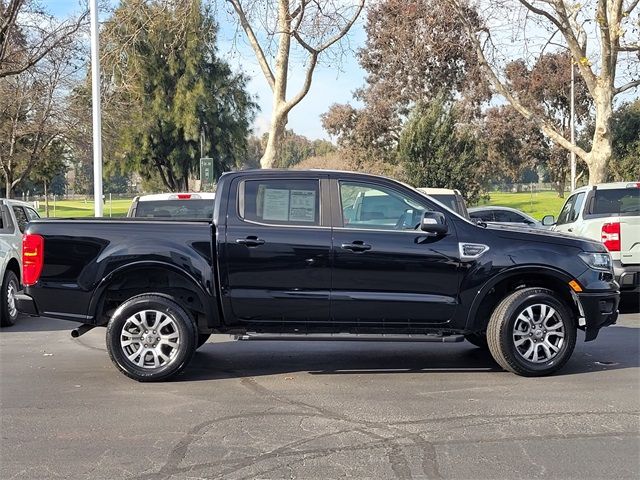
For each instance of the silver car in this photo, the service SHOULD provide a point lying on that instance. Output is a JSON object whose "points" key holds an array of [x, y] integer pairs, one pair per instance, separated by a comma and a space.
{"points": [[504, 216], [14, 217]]}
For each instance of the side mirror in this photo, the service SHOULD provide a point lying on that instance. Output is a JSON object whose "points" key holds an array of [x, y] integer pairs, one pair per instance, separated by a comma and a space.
{"points": [[434, 222], [548, 220]]}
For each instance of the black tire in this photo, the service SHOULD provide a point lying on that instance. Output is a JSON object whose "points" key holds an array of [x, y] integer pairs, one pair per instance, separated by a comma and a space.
{"points": [[478, 339], [8, 314], [157, 309], [202, 339], [501, 334]]}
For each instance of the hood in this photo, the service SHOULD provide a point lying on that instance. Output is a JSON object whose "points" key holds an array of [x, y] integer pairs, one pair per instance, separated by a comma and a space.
{"points": [[546, 236]]}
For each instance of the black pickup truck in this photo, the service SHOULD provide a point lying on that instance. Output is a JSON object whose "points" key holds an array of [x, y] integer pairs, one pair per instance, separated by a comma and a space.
{"points": [[318, 255]]}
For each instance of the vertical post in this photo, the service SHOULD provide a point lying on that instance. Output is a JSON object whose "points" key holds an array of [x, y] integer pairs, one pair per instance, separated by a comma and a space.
{"points": [[54, 205], [97, 127], [110, 206], [572, 126]]}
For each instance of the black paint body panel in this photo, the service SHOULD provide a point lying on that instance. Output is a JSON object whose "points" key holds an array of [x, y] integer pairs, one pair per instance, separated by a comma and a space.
{"points": [[301, 278]]}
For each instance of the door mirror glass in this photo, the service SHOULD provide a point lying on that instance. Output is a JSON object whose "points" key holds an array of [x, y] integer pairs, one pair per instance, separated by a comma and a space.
{"points": [[434, 222], [548, 220]]}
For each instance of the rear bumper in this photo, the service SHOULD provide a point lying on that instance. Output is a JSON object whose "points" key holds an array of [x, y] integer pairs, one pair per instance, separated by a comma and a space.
{"points": [[598, 310], [627, 276], [26, 304]]}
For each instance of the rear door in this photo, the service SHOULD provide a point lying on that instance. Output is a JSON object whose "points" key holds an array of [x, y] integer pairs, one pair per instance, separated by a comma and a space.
{"points": [[276, 250], [386, 273]]}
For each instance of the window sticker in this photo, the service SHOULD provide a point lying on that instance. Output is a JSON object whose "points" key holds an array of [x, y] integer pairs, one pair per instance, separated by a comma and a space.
{"points": [[275, 204], [302, 206]]}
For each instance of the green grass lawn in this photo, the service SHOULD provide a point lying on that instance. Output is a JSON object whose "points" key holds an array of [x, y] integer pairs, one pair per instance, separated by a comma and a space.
{"points": [[536, 204], [80, 208]]}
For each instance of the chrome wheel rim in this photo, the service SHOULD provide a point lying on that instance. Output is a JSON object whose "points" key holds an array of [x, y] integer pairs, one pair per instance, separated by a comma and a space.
{"points": [[11, 300], [150, 339], [538, 333]]}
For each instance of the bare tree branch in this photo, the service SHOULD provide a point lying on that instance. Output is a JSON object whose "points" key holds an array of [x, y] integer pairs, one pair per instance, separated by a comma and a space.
{"points": [[253, 41]]}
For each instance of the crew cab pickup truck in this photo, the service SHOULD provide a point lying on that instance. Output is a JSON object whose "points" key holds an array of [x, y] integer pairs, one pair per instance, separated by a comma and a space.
{"points": [[609, 212], [298, 255]]}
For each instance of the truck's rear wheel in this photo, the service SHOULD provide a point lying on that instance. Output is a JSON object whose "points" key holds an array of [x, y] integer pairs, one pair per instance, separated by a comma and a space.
{"points": [[531, 332], [151, 338], [9, 289]]}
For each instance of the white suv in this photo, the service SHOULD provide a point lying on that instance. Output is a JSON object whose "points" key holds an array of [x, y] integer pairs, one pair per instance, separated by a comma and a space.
{"points": [[609, 212]]}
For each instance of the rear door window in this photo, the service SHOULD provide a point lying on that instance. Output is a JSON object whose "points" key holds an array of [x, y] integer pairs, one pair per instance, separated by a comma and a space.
{"points": [[32, 214], [280, 202], [21, 218], [485, 215], [508, 217]]}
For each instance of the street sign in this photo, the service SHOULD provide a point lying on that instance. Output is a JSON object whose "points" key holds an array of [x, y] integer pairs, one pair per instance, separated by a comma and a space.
{"points": [[206, 171]]}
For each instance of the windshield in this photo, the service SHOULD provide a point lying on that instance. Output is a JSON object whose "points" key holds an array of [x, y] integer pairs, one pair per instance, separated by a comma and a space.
{"points": [[175, 209], [624, 201]]}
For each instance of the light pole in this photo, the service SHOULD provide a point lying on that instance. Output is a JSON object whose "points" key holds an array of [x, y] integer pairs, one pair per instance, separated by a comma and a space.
{"points": [[572, 126], [97, 123]]}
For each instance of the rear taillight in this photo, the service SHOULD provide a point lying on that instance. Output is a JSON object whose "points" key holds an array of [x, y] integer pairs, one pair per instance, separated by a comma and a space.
{"points": [[184, 196], [32, 258], [611, 236]]}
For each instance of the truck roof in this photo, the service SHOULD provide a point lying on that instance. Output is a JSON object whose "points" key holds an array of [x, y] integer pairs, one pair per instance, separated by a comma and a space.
{"points": [[10, 201], [608, 186]]}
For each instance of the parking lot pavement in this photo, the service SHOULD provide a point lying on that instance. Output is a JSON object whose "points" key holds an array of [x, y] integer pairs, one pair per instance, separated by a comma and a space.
{"points": [[316, 410]]}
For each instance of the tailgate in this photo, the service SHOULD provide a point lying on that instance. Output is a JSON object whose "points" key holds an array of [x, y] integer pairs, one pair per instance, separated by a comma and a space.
{"points": [[630, 240]]}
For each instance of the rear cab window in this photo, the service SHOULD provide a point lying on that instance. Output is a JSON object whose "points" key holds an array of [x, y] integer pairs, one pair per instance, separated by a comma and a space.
{"points": [[292, 202], [614, 202]]}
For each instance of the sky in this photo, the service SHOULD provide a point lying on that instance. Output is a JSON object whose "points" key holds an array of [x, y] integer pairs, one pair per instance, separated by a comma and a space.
{"points": [[330, 83]]}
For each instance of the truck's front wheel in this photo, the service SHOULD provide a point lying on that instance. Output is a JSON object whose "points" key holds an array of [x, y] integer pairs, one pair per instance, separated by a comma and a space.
{"points": [[531, 332], [151, 338]]}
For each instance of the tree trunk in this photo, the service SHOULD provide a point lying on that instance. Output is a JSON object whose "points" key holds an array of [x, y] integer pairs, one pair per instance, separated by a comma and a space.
{"points": [[276, 137], [601, 149], [8, 183], [279, 116]]}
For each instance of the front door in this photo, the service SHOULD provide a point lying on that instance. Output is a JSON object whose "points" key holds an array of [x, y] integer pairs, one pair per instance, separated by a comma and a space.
{"points": [[277, 252], [387, 273], [570, 214]]}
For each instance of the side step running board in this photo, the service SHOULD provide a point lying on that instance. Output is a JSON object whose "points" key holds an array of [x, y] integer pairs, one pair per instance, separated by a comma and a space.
{"points": [[351, 337]]}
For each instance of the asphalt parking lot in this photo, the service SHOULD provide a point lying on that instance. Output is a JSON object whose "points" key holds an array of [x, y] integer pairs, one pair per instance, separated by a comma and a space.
{"points": [[316, 410]]}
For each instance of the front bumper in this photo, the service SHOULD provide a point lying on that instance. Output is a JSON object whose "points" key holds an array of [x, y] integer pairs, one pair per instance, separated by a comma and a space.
{"points": [[627, 276], [597, 310], [26, 304]]}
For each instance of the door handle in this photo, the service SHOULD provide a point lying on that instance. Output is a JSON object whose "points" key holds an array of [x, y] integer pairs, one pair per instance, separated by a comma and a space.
{"points": [[357, 246], [250, 241]]}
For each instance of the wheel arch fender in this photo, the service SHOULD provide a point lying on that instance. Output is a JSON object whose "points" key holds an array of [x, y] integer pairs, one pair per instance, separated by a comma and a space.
{"points": [[207, 300], [530, 275]]}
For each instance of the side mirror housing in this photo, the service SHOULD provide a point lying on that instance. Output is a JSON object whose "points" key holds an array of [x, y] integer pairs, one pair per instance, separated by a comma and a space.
{"points": [[548, 220], [434, 222]]}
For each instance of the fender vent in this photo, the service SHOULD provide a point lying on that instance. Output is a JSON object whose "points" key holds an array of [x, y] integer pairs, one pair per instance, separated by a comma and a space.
{"points": [[471, 251]]}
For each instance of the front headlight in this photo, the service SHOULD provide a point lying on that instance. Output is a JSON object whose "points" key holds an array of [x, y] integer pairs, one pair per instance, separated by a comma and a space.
{"points": [[598, 261]]}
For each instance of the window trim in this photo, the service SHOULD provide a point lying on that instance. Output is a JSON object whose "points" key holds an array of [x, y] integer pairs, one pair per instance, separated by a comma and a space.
{"points": [[239, 203]]}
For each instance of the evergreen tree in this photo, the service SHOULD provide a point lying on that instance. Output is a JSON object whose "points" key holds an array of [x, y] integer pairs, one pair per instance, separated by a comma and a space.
{"points": [[165, 76], [435, 153]]}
